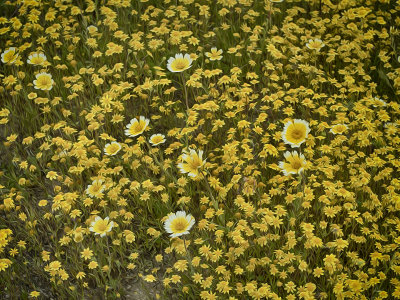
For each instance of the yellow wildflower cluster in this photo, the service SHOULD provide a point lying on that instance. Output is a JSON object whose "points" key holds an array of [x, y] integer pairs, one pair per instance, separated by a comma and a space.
{"points": [[228, 149]]}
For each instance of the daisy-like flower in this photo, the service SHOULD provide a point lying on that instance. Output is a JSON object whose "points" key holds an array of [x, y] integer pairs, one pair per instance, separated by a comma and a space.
{"points": [[112, 148], [95, 189], [294, 164], [92, 29], [338, 128], [179, 63], [179, 223], [315, 44], [191, 162], [9, 56], [136, 127], [377, 102], [101, 226], [214, 54], [295, 132], [43, 81], [157, 139], [36, 59]]}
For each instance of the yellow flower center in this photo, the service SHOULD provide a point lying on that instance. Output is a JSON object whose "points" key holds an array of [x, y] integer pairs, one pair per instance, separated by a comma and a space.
{"points": [[136, 128], [43, 82], [296, 134], [179, 225], [195, 163], [112, 148], [157, 139], [180, 64], [37, 60], [296, 164], [10, 56], [101, 226]]}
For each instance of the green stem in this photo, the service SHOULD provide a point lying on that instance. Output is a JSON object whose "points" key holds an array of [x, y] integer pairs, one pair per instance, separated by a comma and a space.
{"points": [[188, 257], [186, 93]]}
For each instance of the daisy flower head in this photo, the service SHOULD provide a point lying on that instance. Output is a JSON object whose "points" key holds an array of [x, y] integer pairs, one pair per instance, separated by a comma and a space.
{"points": [[295, 132], [214, 54], [191, 162], [157, 139], [92, 29], [315, 44], [36, 59], [95, 189], [136, 127], [43, 82], [101, 226], [112, 148], [9, 56], [378, 102], [179, 63], [338, 128], [294, 163], [179, 223]]}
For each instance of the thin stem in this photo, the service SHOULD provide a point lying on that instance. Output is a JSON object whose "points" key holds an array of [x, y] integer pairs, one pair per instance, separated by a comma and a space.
{"points": [[186, 93], [188, 257]]}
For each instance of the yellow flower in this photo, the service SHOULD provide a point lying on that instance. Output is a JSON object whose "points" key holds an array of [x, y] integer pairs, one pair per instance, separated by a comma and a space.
{"points": [[80, 275], [338, 129], [214, 54], [86, 254], [36, 59], [378, 102], [100, 226], [34, 294], [295, 163], [178, 223], [191, 163], [179, 63], [295, 132], [95, 189], [92, 265], [149, 278], [315, 44], [9, 56], [54, 265], [43, 81], [157, 139], [112, 148], [136, 127], [92, 29], [4, 263]]}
